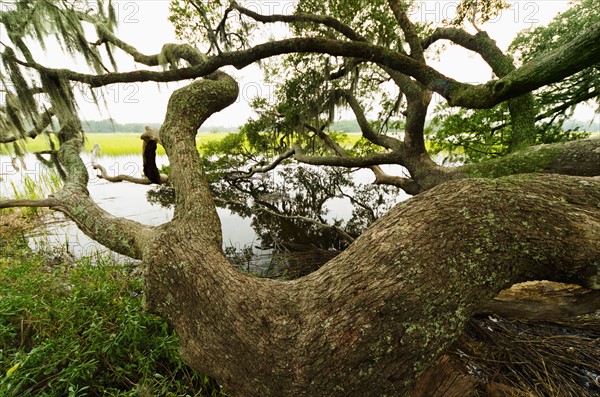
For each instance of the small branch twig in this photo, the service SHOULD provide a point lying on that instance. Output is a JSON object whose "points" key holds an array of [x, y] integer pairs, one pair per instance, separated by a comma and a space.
{"points": [[49, 202], [125, 178]]}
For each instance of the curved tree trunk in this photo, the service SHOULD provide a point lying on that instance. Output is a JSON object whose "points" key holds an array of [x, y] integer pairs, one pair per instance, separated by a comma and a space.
{"points": [[376, 317], [373, 319]]}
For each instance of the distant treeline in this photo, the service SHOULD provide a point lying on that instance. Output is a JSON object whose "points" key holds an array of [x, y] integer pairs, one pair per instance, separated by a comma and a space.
{"points": [[108, 126], [348, 126], [582, 125]]}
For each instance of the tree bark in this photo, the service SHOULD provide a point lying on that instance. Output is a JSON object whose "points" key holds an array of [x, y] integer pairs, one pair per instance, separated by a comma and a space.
{"points": [[372, 320], [581, 157], [577, 158]]}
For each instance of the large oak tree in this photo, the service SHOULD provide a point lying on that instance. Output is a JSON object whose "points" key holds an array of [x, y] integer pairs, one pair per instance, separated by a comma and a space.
{"points": [[381, 313]]}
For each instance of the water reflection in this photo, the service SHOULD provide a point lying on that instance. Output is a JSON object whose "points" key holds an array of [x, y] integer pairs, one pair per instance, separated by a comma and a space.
{"points": [[302, 215], [264, 218]]}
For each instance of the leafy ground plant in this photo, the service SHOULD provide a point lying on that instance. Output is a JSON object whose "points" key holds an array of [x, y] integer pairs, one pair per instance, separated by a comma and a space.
{"points": [[77, 328]]}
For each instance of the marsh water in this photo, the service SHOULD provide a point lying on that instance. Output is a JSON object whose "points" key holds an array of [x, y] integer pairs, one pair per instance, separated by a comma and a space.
{"points": [[130, 201]]}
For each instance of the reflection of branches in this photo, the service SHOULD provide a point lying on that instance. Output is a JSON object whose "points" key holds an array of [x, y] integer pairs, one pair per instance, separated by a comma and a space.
{"points": [[364, 206], [312, 221]]}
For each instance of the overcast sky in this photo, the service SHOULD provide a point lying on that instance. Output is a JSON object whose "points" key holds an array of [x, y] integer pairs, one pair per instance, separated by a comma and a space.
{"points": [[144, 24]]}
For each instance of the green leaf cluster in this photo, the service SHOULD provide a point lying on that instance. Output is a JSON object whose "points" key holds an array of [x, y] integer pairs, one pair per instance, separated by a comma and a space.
{"points": [[559, 99]]}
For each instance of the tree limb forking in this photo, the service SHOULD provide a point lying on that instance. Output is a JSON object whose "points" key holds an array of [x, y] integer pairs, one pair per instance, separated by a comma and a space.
{"points": [[410, 186], [258, 169], [521, 107], [168, 52]]}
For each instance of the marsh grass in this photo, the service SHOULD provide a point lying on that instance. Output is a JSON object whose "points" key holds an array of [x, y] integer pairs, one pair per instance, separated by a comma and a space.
{"points": [[14, 221], [77, 328], [38, 187], [18, 220], [113, 144]]}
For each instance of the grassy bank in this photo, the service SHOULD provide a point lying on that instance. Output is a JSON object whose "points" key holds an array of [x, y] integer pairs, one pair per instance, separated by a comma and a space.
{"points": [[129, 143], [114, 144], [77, 328]]}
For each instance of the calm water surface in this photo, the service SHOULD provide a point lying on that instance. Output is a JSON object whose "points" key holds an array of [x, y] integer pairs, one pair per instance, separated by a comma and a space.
{"points": [[129, 201]]}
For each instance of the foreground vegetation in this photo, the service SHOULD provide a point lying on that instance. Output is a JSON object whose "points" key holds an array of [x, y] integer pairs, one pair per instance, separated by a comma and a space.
{"points": [[77, 328]]}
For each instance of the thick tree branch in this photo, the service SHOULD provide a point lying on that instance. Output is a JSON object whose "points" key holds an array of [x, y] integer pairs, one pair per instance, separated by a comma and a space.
{"points": [[169, 52], [120, 235], [407, 184], [581, 157], [522, 107], [399, 8], [582, 52], [384, 310], [348, 162], [188, 108], [381, 178]]}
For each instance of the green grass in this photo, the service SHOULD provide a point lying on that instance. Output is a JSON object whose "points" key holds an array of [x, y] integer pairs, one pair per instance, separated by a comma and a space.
{"points": [[78, 329], [114, 144], [117, 144]]}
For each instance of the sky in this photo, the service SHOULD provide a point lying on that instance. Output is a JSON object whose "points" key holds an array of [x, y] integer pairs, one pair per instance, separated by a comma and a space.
{"points": [[144, 24]]}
